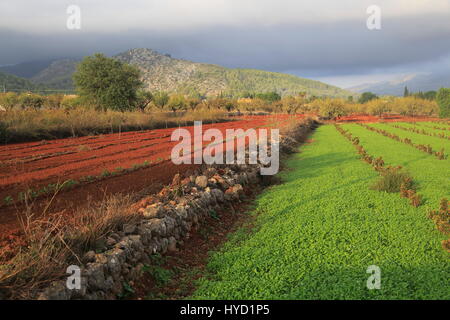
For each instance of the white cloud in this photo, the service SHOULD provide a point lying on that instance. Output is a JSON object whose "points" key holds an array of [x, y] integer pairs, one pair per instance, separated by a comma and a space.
{"points": [[158, 15]]}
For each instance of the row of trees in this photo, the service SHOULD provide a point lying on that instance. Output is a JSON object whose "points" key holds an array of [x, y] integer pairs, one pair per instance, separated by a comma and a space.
{"points": [[409, 106], [325, 107], [104, 83], [428, 95], [426, 103]]}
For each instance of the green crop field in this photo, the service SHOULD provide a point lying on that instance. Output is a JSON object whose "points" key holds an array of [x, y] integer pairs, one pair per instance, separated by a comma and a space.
{"points": [[435, 142], [433, 124], [315, 235], [428, 128], [431, 175]]}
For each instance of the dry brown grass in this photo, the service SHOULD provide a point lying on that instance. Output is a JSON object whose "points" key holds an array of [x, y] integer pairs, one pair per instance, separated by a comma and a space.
{"points": [[31, 124], [50, 243]]}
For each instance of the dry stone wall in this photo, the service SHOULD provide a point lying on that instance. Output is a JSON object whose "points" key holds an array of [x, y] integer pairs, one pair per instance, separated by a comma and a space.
{"points": [[168, 219]]}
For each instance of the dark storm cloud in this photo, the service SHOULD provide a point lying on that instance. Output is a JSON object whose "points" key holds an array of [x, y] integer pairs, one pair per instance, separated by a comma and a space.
{"points": [[336, 47]]}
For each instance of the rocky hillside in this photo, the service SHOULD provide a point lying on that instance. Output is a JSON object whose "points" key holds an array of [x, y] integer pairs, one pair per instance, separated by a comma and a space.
{"points": [[164, 73]]}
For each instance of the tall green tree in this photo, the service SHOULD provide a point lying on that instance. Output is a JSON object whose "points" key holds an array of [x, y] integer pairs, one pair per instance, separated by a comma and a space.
{"points": [[406, 92], [107, 83], [443, 100], [366, 97]]}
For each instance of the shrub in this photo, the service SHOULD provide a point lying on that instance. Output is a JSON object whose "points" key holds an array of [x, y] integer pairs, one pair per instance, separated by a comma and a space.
{"points": [[70, 102], [393, 180], [30, 100], [53, 101], [9, 100]]}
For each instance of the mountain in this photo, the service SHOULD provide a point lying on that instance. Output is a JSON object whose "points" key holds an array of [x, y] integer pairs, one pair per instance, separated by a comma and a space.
{"points": [[415, 82], [163, 73], [58, 75], [26, 69], [54, 74]]}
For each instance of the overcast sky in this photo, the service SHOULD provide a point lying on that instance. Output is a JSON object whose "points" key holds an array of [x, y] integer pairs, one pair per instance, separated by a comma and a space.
{"points": [[321, 39]]}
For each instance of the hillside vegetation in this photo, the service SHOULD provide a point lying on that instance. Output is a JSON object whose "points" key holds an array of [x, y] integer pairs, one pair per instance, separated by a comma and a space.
{"points": [[30, 117], [11, 82], [58, 75], [161, 72], [164, 73]]}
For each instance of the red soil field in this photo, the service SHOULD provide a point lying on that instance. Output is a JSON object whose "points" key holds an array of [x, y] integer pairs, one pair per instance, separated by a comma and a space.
{"points": [[34, 165]]}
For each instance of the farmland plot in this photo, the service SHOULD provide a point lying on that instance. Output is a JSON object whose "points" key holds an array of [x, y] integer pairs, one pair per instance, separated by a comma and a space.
{"points": [[315, 235], [435, 142], [432, 175]]}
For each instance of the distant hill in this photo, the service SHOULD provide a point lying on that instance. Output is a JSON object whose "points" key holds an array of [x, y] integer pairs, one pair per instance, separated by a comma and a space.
{"points": [[34, 75], [414, 82], [27, 69], [10, 82], [58, 75], [163, 73]]}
